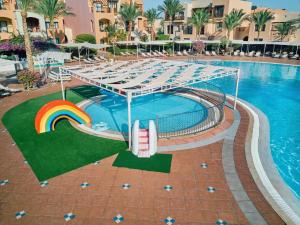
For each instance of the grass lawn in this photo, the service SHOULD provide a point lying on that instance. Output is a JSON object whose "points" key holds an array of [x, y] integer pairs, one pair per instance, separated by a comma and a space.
{"points": [[157, 163], [65, 149]]}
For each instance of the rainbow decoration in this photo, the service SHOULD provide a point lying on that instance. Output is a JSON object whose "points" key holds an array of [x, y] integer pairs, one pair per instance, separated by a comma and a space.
{"points": [[52, 112]]}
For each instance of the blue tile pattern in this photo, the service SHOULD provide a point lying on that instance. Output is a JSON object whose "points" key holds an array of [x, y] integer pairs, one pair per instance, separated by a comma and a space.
{"points": [[20, 214], [221, 222], [211, 189], [69, 216], [169, 220], [3, 182], [126, 186], [85, 185], [168, 187], [44, 183], [118, 218]]}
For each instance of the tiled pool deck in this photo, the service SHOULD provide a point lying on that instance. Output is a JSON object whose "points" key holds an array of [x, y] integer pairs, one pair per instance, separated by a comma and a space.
{"points": [[195, 192]]}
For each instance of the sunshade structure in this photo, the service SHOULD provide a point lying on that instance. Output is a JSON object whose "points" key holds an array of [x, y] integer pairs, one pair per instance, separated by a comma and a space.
{"points": [[132, 79], [86, 45]]}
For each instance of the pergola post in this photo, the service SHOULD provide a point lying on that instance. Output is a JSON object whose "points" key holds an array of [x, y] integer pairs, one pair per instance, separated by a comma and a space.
{"points": [[236, 87], [264, 50], [79, 53], [62, 85], [137, 50], [129, 118]]}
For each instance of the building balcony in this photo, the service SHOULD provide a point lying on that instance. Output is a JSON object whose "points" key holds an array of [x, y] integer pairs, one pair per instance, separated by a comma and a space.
{"points": [[6, 13]]}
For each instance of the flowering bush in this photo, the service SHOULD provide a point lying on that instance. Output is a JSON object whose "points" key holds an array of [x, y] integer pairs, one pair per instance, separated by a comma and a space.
{"points": [[28, 79], [8, 47], [198, 46]]}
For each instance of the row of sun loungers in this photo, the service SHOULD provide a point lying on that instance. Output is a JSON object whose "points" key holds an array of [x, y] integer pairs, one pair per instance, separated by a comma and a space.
{"points": [[6, 91], [290, 55]]}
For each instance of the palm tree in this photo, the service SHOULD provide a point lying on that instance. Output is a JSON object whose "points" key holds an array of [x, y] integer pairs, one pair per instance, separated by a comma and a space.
{"points": [[199, 18], [233, 20], [170, 8], [284, 29], [52, 9], [25, 6], [260, 19], [151, 15], [129, 13], [112, 35]]}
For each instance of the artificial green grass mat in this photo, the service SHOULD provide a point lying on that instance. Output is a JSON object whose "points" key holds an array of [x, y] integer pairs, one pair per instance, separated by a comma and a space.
{"points": [[65, 149], [157, 163]]}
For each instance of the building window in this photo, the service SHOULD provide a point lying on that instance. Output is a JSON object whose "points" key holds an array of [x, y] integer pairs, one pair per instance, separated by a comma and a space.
{"points": [[2, 4], [170, 29], [103, 24], [219, 11], [92, 25], [263, 28], [3, 26], [188, 30], [98, 7], [47, 24], [179, 16], [57, 41], [56, 25], [258, 39], [202, 30], [112, 5], [219, 26]]}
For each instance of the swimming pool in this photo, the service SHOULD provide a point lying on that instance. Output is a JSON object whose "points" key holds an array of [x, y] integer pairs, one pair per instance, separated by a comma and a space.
{"points": [[111, 112], [275, 90]]}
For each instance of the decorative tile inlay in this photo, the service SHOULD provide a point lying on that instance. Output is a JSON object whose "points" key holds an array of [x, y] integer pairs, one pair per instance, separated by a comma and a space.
{"points": [[69, 216], [168, 187], [85, 185], [169, 220], [44, 183], [20, 214], [3, 182], [211, 189], [118, 218], [97, 163], [221, 222], [204, 165], [126, 186]]}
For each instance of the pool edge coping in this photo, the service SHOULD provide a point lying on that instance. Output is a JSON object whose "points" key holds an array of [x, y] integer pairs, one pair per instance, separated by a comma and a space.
{"points": [[264, 172]]}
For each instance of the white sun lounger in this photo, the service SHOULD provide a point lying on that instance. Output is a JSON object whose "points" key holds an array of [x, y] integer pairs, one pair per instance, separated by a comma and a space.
{"points": [[257, 54], [207, 53], [179, 53], [242, 54], [213, 53], [12, 90]]}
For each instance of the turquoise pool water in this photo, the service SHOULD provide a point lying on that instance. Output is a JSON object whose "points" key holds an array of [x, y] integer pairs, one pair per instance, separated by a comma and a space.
{"points": [[111, 112], [275, 90]]}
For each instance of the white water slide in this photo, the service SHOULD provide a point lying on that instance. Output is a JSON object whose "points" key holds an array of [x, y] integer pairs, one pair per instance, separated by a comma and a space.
{"points": [[144, 141]]}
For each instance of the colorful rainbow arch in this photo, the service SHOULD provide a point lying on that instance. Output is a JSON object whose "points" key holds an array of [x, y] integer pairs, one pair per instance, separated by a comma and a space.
{"points": [[53, 111]]}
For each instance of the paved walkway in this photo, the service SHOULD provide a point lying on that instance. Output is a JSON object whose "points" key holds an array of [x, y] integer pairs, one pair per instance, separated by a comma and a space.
{"points": [[194, 193]]}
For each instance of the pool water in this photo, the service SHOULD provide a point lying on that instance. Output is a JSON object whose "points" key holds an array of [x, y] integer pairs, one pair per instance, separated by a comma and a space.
{"points": [[275, 90], [111, 112]]}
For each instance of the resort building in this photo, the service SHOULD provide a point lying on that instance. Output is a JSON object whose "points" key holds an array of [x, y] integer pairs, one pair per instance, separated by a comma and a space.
{"points": [[218, 9], [215, 30], [92, 17], [7, 19], [11, 23], [269, 32]]}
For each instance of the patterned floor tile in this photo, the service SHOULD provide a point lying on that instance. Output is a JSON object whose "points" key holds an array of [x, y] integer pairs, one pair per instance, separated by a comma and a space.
{"points": [[169, 220], [126, 186], [211, 189], [44, 183], [3, 182], [20, 214], [69, 216], [85, 185], [118, 218], [221, 222], [168, 188]]}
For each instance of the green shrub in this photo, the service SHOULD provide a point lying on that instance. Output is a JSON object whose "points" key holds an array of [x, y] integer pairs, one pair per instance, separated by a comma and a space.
{"points": [[85, 38], [28, 79], [162, 37]]}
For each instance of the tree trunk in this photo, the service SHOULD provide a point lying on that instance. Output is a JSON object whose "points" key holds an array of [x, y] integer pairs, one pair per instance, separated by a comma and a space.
{"points": [[129, 30], [52, 31], [152, 33], [258, 34], [27, 42], [228, 36]]}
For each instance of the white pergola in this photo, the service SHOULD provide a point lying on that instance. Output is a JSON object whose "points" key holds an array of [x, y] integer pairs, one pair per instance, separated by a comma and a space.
{"points": [[132, 79]]}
